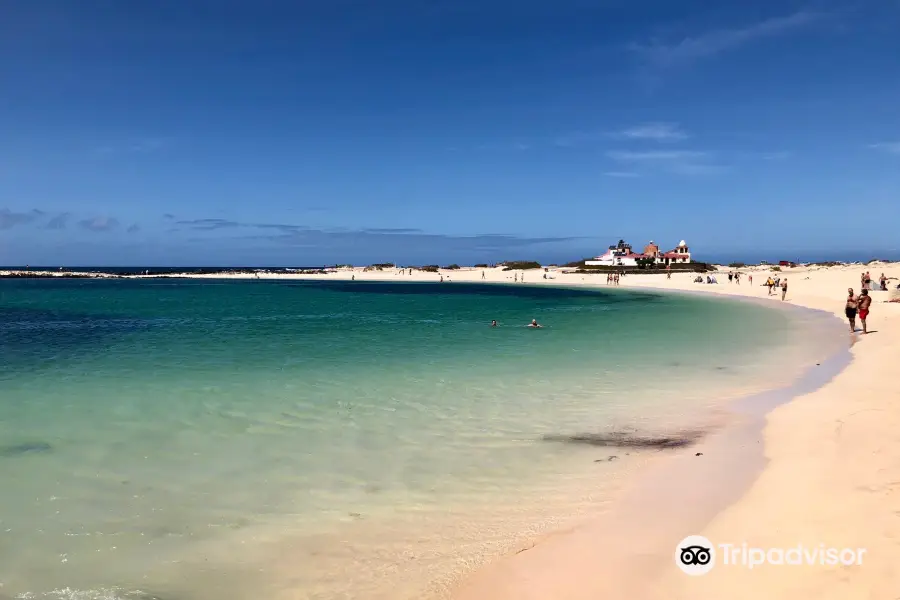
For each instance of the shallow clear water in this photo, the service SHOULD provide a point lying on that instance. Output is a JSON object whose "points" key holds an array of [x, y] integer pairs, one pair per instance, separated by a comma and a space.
{"points": [[209, 439]]}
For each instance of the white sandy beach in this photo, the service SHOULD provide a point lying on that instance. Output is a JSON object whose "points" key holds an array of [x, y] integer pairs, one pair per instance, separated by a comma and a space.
{"points": [[830, 473]]}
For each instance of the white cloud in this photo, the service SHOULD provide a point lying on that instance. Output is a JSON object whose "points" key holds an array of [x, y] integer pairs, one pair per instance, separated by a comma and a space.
{"points": [[654, 155], [677, 162], [657, 132], [623, 174], [717, 41], [892, 147]]}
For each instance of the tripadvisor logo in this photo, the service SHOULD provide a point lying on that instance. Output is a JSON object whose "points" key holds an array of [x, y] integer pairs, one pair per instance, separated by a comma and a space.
{"points": [[696, 555]]}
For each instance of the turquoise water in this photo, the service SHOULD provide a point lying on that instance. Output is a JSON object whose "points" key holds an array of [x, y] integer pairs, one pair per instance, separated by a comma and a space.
{"points": [[241, 439]]}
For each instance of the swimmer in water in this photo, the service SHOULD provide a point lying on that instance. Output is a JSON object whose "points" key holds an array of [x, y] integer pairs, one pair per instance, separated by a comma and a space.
{"points": [[493, 323], [534, 324]]}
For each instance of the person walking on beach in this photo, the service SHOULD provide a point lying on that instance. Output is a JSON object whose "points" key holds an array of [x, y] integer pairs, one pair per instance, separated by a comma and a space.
{"points": [[730, 277], [883, 281], [668, 271], [783, 289], [864, 302], [850, 309], [750, 279], [482, 275]]}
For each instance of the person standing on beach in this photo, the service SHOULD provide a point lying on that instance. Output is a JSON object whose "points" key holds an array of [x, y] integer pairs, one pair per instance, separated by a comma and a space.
{"points": [[750, 279], [730, 277], [668, 271], [783, 289], [482, 275], [850, 309], [864, 302]]}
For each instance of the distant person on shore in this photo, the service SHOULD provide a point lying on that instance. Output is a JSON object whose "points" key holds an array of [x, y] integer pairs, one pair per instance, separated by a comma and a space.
{"points": [[668, 271], [850, 309], [783, 289], [883, 281], [482, 278], [737, 278], [534, 324], [769, 284], [516, 277], [730, 277], [353, 278], [864, 302], [493, 323], [750, 279]]}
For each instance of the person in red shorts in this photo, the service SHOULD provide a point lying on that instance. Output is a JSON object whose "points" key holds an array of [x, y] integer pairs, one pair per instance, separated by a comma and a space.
{"points": [[865, 301]]}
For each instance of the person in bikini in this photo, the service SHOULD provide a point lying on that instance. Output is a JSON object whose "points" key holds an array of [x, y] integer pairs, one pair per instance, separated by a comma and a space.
{"points": [[850, 309], [864, 302], [783, 289]]}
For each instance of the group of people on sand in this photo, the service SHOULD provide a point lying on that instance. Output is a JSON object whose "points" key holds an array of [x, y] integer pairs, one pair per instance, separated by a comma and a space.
{"points": [[736, 278], [612, 278], [773, 283], [865, 282]]}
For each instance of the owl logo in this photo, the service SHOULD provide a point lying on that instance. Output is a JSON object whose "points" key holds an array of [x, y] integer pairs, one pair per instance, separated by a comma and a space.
{"points": [[695, 555]]}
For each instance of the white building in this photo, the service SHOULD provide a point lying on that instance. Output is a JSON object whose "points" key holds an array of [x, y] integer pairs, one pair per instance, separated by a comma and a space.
{"points": [[621, 255]]}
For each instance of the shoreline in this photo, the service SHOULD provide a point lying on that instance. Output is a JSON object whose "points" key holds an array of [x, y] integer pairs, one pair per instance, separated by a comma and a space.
{"points": [[578, 563]]}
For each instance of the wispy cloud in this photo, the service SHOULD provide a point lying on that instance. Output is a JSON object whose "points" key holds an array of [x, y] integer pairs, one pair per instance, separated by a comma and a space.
{"points": [[892, 147], [134, 228], [578, 138], [391, 230], [336, 240], [60, 221], [217, 224], [654, 155], [711, 43], [134, 146], [9, 219], [678, 162], [656, 132], [99, 224], [622, 174], [782, 155]]}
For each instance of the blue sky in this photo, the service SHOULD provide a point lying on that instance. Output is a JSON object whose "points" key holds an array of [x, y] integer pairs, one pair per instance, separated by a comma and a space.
{"points": [[214, 132]]}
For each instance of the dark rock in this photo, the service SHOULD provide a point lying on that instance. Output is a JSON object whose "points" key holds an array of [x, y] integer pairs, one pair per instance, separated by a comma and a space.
{"points": [[612, 458], [699, 454]]}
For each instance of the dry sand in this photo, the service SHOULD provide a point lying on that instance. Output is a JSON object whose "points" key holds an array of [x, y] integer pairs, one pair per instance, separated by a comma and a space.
{"points": [[821, 469]]}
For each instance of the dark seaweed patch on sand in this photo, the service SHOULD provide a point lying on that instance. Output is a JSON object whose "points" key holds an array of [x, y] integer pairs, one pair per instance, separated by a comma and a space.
{"points": [[623, 439]]}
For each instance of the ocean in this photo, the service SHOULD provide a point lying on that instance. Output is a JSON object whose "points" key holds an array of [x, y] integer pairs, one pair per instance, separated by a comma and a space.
{"points": [[205, 439]]}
